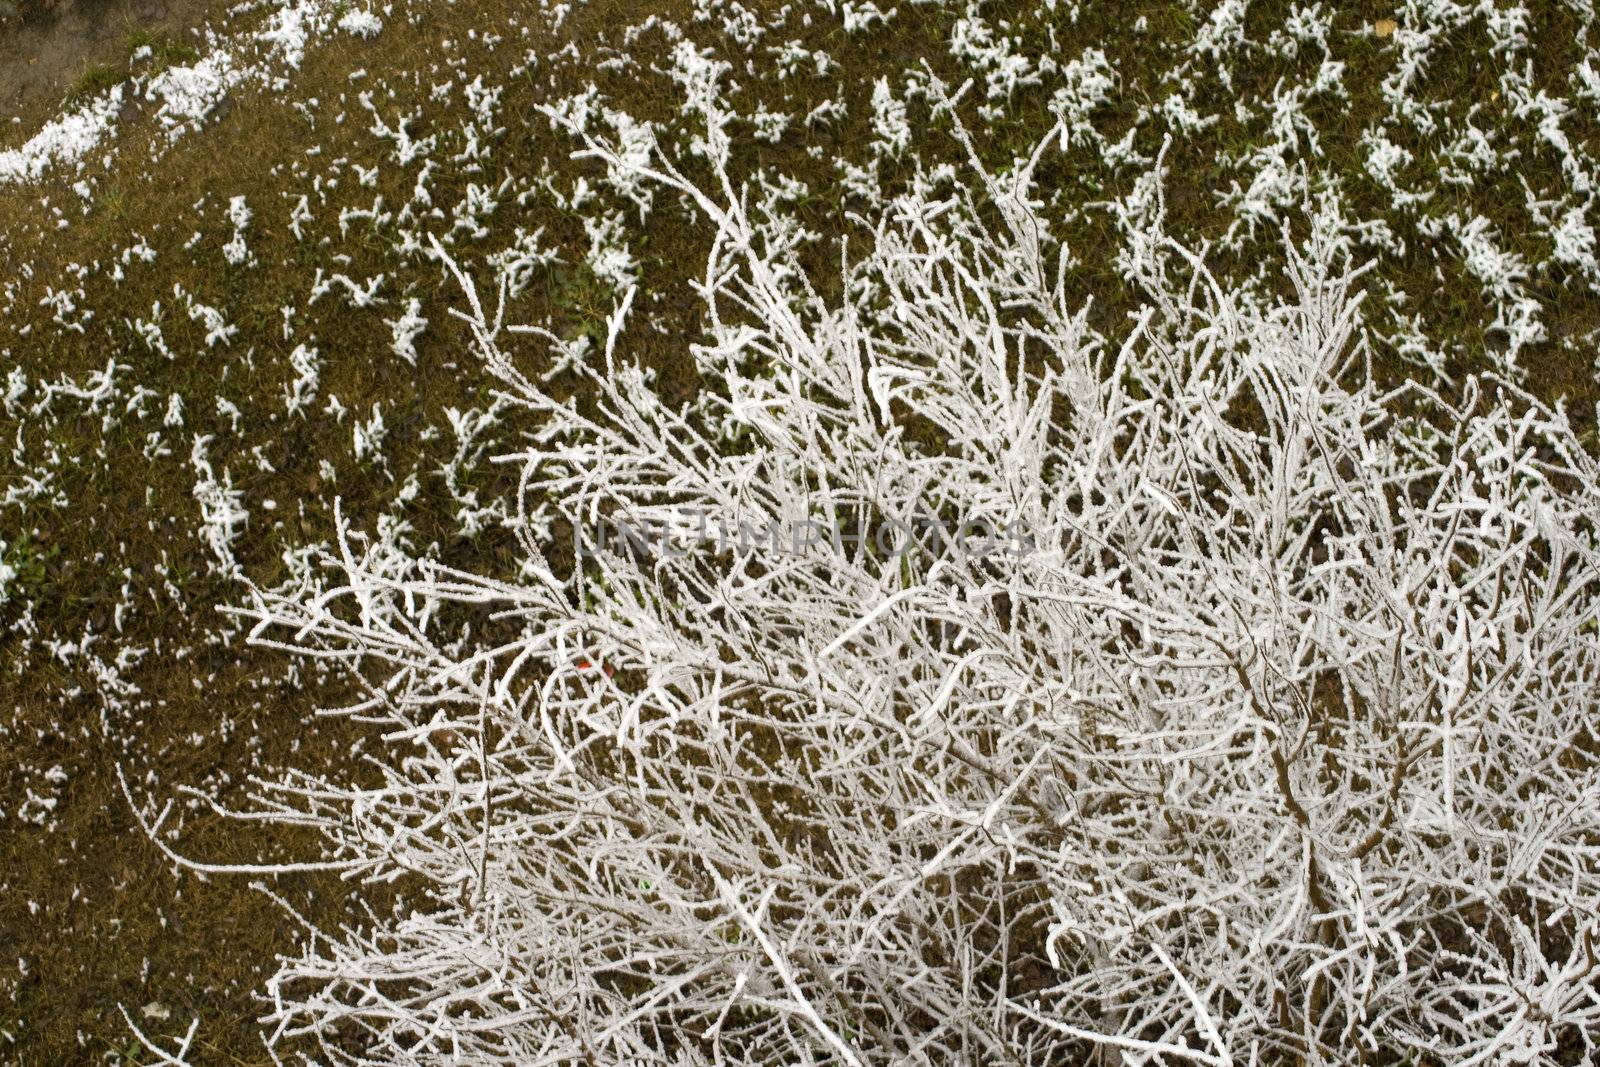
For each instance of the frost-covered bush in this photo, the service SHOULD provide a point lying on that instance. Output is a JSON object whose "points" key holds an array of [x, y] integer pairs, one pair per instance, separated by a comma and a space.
{"points": [[1263, 734]]}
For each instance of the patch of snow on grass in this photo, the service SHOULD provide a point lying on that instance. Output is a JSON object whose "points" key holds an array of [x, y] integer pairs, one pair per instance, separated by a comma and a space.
{"points": [[66, 140], [361, 24], [189, 94]]}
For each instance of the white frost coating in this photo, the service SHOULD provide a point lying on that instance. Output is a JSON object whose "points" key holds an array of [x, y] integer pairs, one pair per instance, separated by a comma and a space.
{"points": [[610, 258], [1087, 83], [406, 329], [67, 140], [184, 95], [7, 572], [1266, 744], [368, 436], [361, 24], [307, 366], [16, 387], [218, 329], [222, 516], [188, 94], [637, 141], [892, 131], [1384, 158], [291, 28], [237, 250], [1575, 242]]}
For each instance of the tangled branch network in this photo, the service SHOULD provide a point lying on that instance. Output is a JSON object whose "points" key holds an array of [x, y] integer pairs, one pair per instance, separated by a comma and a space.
{"points": [[1277, 746]]}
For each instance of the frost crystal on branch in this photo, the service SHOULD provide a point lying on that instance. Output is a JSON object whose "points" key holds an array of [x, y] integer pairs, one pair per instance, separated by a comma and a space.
{"points": [[1279, 747]]}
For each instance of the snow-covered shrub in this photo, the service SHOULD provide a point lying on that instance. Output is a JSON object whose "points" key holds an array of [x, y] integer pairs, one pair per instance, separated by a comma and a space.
{"points": [[1268, 737]]}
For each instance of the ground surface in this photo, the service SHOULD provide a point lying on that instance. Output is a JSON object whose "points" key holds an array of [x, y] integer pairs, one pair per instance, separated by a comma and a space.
{"points": [[47, 49], [222, 316]]}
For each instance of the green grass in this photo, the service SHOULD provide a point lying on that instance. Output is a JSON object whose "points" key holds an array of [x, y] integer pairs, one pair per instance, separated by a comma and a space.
{"points": [[156, 51], [165, 51], [95, 79]]}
